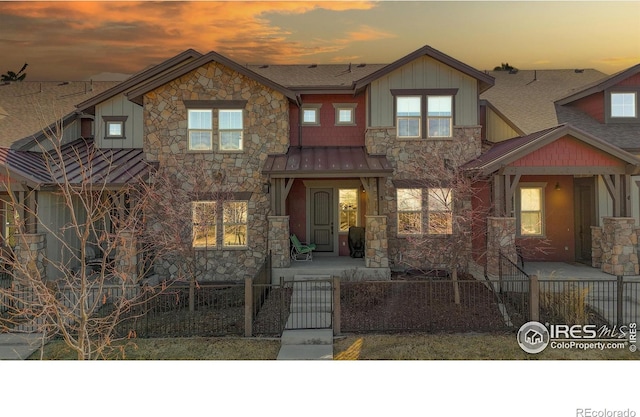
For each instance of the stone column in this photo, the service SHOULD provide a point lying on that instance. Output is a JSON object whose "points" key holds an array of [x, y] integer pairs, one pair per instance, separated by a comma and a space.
{"points": [[619, 246], [376, 244], [31, 251], [126, 257], [596, 246], [278, 241], [501, 237]]}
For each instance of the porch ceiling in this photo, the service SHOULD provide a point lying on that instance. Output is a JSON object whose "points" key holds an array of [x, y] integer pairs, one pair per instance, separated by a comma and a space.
{"points": [[327, 162]]}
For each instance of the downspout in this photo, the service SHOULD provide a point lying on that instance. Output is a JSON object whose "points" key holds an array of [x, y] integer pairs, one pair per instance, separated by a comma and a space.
{"points": [[299, 102]]}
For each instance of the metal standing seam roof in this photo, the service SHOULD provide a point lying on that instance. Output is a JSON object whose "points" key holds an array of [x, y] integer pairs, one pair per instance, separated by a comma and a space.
{"points": [[348, 161], [77, 162]]}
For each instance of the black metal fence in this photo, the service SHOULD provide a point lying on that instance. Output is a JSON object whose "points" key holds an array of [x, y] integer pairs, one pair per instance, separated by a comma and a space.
{"points": [[421, 305]]}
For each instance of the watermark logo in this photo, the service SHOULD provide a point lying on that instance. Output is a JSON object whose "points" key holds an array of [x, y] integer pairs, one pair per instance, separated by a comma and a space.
{"points": [[533, 337]]}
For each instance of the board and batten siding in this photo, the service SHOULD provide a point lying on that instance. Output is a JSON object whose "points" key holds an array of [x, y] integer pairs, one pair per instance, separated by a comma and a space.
{"points": [[497, 129], [133, 127], [424, 72], [54, 215]]}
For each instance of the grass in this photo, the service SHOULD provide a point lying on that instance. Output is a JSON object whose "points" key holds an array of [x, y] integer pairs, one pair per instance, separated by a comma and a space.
{"points": [[495, 346], [197, 348], [485, 346]]}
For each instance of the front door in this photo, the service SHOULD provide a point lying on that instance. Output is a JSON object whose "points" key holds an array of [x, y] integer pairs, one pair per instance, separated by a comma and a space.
{"points": [[321, 225], [585, 216]]}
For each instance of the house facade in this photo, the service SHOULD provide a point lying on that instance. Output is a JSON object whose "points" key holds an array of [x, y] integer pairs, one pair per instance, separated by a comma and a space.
{"points": [[313, 150]]}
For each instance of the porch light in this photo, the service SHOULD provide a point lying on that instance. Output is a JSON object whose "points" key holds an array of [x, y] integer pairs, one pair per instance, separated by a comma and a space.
{"points": [[557, 186], [266, 186]]}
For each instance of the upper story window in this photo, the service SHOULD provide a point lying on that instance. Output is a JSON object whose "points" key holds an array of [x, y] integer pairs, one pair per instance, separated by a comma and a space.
{"points": [[114, 127], [230, 128], [424, 113], [225, 118], [311, 114], [439, 116], [408, 116], [345, 114], [200, 129], [623, 104]]}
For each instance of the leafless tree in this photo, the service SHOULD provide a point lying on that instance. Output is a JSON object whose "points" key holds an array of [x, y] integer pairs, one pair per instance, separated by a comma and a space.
{"points": [[74, 255], [189, 207], [450, 198]]}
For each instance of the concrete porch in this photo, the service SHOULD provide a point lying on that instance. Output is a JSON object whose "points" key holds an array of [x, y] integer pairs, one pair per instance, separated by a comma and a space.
{"points": [[344, 267]]}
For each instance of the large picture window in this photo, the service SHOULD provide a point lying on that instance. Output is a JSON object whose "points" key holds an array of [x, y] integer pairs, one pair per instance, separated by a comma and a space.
{"points": [[204, 217], [235, 223], [409, 211], [440, 211]]}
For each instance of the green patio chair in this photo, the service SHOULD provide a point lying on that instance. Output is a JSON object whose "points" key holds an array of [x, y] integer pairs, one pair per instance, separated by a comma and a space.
{"points": [[301, 251]]}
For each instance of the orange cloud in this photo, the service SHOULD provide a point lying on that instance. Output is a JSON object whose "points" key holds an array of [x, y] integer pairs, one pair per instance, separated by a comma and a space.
{"points": [[367, 33], [131, 33]]}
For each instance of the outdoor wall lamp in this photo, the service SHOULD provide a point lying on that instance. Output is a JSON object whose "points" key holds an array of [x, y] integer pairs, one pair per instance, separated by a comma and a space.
{"points": [[557, 186], [266, 187]]}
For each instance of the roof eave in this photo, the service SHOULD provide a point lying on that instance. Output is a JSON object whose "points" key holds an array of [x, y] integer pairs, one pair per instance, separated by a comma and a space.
{"points": [[135, 95], [601, 86]]}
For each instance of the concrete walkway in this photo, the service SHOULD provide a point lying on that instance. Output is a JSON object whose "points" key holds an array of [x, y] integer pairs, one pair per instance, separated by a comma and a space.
{"points": [[18, 346], [308, 334]]}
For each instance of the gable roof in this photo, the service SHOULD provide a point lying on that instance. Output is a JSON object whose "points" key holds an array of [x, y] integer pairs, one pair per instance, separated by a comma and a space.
{"points": [[508, 151], [136, 94], [526, 98], [141, 77], [27, 106], [485, 80], [323, 76], [600, 85]]}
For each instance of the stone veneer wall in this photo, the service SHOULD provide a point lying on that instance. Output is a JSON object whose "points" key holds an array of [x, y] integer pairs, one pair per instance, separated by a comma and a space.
{"points": [[501, 237], [619, 246], [31, 251], [126, 257], [407, 156], [266, 131], [279, 241], [376, 244]]}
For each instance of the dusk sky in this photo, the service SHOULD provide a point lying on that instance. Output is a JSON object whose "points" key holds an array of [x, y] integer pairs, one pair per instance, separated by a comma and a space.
{"points": [[80, 40]]}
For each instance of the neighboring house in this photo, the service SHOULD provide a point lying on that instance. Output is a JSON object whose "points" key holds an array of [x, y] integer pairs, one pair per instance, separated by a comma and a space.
{"points": [[315, 149]]}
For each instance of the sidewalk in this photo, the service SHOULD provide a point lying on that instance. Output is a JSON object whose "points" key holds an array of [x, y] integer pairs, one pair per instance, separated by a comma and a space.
{"points": [[18, 346]]}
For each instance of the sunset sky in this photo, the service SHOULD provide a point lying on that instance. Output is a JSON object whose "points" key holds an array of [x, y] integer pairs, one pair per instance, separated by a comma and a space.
{"points": [[81, 40]]}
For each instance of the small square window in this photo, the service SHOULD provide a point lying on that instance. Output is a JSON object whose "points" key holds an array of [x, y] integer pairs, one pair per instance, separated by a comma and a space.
{"points": [[310, 116], [345, 114], [114, 127], [623, 105]]}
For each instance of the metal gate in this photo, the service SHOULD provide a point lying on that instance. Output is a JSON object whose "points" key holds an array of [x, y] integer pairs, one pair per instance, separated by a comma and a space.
{"points": [[311, 304]]}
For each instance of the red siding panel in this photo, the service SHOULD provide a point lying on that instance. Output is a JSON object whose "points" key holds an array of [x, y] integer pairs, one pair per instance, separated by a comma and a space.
{"points": [[567, 151]]}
